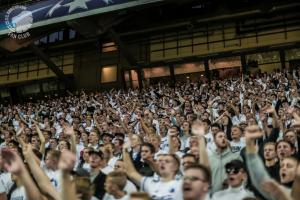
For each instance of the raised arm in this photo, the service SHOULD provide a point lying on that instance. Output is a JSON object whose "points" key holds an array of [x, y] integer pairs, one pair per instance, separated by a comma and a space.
{"points": [[65, 165], [14, 164], [145, 127], [130, 169], [38, 174], [69, 130], [181, 99], [42, 138], [277, 191], [257, 171], [199, 131]]}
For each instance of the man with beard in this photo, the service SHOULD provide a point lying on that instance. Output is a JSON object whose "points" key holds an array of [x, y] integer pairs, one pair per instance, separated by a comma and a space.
{"points": [[218, 158]]}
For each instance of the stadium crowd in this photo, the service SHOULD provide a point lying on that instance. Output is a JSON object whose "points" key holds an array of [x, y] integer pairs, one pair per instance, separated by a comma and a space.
{"points": [[234, 139]]}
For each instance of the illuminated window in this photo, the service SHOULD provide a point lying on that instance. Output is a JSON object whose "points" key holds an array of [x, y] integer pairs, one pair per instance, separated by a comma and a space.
{"points": [[109, 47], [188, 68], [223, 63], [156, 72], [109, 74]]}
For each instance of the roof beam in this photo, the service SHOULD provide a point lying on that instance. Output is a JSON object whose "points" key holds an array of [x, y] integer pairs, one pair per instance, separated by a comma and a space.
{"points": [[45, 58]]}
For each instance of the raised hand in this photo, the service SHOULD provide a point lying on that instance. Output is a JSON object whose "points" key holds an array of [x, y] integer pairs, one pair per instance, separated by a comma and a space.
{"points": [[27, 150], [290, 110], [262, 116], [20, 131], [296, 123], [12, 161], [270, 109], [127, 145], [68, 130], [253, 132], [210, 103], [272, 187], [198, 129], [67, 161]]}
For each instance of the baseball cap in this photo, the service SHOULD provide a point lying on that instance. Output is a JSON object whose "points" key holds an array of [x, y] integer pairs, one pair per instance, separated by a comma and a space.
{"points": [[237, 164]]}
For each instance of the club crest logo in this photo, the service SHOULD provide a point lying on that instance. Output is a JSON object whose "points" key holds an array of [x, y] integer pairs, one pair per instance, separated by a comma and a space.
{"points": [[18, 20]]}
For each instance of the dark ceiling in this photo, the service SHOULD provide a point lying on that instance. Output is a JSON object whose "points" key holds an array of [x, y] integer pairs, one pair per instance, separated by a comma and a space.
{"points": [[183, 15]]}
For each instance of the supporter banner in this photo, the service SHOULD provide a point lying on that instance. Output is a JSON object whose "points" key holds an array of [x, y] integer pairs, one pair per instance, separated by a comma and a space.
{"points": [[20, 18]]}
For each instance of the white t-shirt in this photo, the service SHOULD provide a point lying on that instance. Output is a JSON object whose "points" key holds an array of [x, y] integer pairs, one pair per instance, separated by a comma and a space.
{"points": [[54, 178], [238, 146], [164, 144], [106, 170], [5, 182], [239, 193], [130, 187], [18, 194], [159, 190]]}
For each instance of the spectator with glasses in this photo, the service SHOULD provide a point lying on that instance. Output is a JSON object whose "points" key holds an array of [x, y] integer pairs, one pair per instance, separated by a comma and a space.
{"points": [[196, 183], [236, 180]]}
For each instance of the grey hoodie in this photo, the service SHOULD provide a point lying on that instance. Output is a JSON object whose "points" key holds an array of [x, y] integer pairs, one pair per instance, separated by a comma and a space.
{"points": [[217, 163]]}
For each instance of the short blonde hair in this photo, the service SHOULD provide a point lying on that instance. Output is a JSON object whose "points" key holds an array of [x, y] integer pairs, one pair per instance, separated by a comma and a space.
{"points": [[118, 178]]}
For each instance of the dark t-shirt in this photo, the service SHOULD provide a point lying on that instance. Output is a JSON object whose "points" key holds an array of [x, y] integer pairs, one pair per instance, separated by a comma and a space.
{"points": [[274, 171], [99, 185]]}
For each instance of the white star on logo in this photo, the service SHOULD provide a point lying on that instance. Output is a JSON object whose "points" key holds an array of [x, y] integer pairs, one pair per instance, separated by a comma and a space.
{"points": [[108, 1], [77, 4]]}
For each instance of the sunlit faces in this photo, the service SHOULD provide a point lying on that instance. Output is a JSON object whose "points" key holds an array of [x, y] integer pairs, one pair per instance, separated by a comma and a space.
{"points": [[214, 129], [51, 159], [109, 185], [288, 167], [195, 184], [63, 145], [84, 137], [176, 143], [93, 137], [236, 133], [284, 149], [35, 141], [269, 151], [95, 160], [188, 160], [225, 120], [221, 140], [146, 152], [85, 154], [290, 136], [155, 140], [168, 166], [135, 141], [186, 126], [115, 182], [53, 143], [194, 145], [119, 166], [235, 177]]}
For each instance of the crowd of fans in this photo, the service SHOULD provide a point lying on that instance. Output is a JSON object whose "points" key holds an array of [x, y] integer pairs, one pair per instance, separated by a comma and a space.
{"points": [[234, 139]]}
